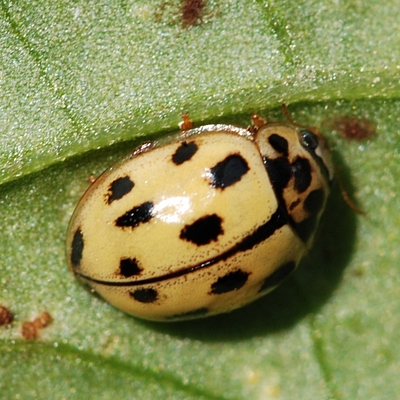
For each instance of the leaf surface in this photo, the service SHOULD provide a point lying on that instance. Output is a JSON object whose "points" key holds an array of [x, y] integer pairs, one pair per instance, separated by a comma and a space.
{"points": [[84, 82]]}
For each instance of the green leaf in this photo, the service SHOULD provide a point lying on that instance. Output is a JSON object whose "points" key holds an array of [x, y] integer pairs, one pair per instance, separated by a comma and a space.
{"points": [[83, 82]]}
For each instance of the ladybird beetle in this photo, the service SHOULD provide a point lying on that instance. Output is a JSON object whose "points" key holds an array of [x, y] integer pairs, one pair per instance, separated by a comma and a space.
{"points": [[202, 222]]}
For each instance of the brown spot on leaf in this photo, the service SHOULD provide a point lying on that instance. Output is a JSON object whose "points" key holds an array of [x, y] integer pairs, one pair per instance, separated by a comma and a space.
{"points": [[6, 316], [192, 12], [30, 329], [43, 320], [354, 128]]}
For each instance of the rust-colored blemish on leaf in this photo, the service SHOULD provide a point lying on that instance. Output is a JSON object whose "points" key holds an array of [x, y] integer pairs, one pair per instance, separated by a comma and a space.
{"points": [[192, 12], [354, 128], [6, 316], [30, 329]]}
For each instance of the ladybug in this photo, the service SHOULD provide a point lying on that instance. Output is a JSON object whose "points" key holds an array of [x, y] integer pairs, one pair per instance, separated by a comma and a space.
{"points": [[202, 222]]}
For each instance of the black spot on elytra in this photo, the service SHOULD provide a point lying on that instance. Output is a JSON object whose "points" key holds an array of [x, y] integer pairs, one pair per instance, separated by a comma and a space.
{"points": [[77, 248], [119, 188], [314, 201], [301, 170], [200, 312], [129, 267], [144, 295], [184, 152], [279, 144], [228, 171], [203, 231], [278, 276], [136, 216], [263, 232], [229, 282]]}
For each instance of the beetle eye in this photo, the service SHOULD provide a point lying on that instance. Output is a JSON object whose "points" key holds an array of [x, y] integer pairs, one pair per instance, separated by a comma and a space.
{"points": [[310, 139]]}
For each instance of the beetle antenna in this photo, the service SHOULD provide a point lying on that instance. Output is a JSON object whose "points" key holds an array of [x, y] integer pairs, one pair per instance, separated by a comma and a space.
{"points": [[346, 196]]}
